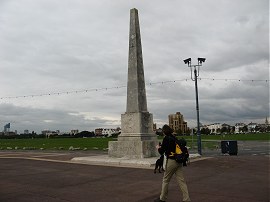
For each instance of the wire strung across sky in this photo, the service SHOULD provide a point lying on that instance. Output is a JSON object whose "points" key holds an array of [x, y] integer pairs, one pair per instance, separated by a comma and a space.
{"points": [[118, 87]]}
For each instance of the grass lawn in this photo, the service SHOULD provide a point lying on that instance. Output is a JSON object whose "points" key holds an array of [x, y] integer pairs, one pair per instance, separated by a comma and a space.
{"points": [[56, 143], [208, 141], [213, 141]]}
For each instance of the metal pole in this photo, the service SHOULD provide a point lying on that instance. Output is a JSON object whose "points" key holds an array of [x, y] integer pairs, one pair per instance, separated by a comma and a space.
{"points": [[198, 116], [192, 137]]}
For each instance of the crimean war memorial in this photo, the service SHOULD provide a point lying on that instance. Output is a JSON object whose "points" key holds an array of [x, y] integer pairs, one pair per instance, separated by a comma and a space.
{"points": [[137, 139]]}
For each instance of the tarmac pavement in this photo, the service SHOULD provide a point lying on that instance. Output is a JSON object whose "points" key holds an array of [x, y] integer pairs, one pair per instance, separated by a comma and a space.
{"points": [[52, 177]]}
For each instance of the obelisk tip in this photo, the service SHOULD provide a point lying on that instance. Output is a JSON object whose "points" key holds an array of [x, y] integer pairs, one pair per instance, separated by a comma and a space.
{"points": [[134, 10]]}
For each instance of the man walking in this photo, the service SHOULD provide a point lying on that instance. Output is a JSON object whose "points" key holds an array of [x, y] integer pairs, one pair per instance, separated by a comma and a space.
{"points": [[172, 167]]}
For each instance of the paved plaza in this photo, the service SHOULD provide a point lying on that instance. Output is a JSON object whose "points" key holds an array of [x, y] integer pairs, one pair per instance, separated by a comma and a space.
{"points": [[53, 177]]}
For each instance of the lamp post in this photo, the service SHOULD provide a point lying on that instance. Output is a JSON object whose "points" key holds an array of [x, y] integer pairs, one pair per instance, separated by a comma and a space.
{"points": [[196, 70]]}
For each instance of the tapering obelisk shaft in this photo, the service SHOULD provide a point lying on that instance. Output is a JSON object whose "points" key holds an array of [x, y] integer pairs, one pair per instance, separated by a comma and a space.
{"points": [[137, 139], [136, 96]]}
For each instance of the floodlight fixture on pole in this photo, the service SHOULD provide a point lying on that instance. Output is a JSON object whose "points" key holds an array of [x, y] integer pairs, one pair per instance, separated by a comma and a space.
{"points": [[187, 61], [196, 70]]}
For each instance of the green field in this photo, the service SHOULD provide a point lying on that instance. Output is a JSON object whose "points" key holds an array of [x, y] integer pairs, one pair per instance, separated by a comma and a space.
{"points": [[213, 141], [208, 142], [243, 137], [56, 143]]}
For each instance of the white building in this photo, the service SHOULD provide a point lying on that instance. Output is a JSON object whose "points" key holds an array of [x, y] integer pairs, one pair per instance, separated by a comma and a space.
{"points": [[74, 131], [238, 127], [251, 127], [214, 128], [49, 133], [108, 132]]}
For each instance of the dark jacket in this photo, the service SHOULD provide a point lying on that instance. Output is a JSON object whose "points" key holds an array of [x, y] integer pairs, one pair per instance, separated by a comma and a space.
{"points": [[168, 146]]}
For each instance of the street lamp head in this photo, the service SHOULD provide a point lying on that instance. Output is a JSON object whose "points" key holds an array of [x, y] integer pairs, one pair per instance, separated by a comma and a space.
{"points": [[187, 61], [201, 60]]}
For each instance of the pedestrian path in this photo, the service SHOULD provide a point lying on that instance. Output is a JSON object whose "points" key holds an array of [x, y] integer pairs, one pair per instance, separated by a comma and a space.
{"points": [[105, 160], [87, 158]]}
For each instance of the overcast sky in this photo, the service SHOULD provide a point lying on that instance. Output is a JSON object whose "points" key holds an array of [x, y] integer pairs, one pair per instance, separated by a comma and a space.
{"points": [[64, 46]]}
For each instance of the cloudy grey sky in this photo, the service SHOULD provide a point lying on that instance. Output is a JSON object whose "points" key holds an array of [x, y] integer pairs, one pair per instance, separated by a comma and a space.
{"points": [[64, 46]]}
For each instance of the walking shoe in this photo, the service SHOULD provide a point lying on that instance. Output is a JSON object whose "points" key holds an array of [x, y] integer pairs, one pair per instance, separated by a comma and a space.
{"points": [[158, 200]]}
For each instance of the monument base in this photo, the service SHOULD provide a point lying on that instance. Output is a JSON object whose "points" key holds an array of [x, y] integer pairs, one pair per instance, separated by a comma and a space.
{"points": [[135, 149], [137, 139]]}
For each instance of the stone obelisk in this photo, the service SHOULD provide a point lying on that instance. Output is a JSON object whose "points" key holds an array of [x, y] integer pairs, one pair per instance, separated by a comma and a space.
{"points": [[137, 139]]}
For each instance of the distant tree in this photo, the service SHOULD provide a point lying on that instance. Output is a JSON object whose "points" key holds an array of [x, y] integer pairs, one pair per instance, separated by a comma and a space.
{"points": [[188, 131], [232, 129], [202, 130], [224, 130], [205, 131], [159, 132], [258, 128], [245, 129], [267, 128], [178, 132], [85, 134], [115, 135]]}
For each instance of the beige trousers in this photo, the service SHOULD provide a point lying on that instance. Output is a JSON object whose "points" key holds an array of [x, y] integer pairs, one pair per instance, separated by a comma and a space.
{"points": [[172, 167]]}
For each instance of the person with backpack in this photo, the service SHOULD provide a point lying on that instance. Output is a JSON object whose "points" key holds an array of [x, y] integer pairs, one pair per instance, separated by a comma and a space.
{"points": [[172, 167]]}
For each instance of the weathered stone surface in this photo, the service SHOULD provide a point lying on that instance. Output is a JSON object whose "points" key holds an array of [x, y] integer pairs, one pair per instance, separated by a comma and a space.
{"points": [[137, 139], [136, 95], [133, 149], [137, 122]]}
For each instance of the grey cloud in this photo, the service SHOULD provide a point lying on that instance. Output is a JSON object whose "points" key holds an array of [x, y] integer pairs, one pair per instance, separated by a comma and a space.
{"points": [[34, 119], [54, 46]]}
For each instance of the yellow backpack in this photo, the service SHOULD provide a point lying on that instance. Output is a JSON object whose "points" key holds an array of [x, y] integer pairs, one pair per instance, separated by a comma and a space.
{"points": [[180, 155], [177, 150]]}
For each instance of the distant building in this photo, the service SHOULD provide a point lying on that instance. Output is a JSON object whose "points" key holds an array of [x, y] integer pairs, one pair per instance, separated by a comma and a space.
{"points": [[7, 128], [177, 123], [9, 133], [49, 133], [239, 127], [251, 127], [107, 132], [266, 122], [44, 132], [74, 132], [214, 127]]}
